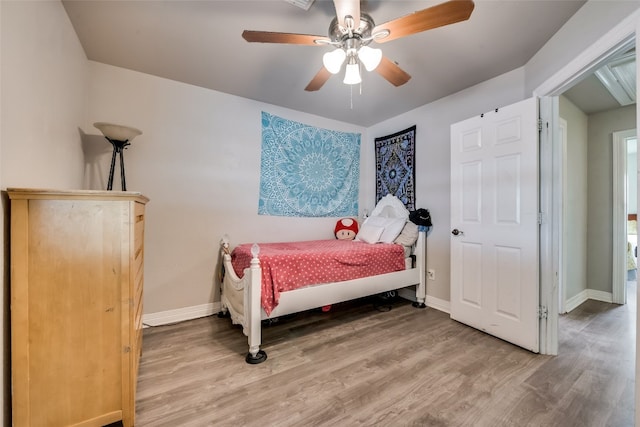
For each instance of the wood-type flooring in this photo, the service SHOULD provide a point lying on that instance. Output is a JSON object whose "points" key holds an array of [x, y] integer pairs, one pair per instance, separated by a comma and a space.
{"points": [[359, 365]]}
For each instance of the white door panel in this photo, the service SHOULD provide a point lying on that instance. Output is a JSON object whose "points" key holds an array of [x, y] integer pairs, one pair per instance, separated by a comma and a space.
{"points": [[494, 221]]}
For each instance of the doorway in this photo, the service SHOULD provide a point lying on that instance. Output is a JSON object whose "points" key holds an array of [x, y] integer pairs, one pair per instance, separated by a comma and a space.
{"points": [[625, 213], [622, 36], [611, 45], [596, 188]]}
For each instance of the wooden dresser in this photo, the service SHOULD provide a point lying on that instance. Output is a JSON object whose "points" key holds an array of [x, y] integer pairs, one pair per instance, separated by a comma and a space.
{"points": [[76, 306]]}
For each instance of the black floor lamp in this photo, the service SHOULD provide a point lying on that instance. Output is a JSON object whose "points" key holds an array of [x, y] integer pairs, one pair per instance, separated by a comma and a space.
{"points": [[120, 137]]}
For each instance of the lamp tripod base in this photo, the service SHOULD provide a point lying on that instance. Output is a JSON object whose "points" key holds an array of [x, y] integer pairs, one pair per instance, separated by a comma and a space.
{"points": [[118, 147]]}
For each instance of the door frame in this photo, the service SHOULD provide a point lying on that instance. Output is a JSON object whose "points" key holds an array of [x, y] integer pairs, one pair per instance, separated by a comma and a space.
{"points": [[619, 252], [614, 42], [562, 229]]}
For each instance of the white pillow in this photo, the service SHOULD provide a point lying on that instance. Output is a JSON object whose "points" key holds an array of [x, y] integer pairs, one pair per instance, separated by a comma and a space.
{"points": [[369, 233], [393, 230], [391, 227], [390, 206]]}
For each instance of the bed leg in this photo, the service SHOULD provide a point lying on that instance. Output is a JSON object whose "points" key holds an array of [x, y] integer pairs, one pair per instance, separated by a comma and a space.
{"points": [[421, 288], [255, 357], [224, 310]]}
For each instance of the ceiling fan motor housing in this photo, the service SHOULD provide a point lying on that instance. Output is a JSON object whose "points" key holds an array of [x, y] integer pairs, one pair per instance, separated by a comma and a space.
{"points": [[360, 36]]}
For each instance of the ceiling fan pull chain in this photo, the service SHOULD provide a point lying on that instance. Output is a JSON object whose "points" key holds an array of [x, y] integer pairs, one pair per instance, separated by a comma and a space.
{"points": [[351, 95]]}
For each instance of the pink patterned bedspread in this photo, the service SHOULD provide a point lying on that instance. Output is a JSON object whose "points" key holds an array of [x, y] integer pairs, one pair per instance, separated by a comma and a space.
{"points": [[292, 265]]}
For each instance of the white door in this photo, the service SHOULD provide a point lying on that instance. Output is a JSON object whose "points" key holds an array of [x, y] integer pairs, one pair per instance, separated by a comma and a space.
{"points": [[494, 223]]}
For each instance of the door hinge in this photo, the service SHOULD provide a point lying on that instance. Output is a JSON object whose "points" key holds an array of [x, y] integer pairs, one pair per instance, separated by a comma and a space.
{"points": [[539, 125], [540, 218], [543, 312]]}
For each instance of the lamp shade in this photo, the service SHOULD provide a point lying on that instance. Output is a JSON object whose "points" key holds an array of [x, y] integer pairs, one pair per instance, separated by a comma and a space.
{"points": [[332, 61], [370, 57], [117, 132], [352, 74]]}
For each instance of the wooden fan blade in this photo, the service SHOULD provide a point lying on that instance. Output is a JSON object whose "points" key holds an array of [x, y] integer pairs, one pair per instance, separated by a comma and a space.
{"points": [[350, 8], [426, 19], [290, 38], [390, 71], [319, 80]]}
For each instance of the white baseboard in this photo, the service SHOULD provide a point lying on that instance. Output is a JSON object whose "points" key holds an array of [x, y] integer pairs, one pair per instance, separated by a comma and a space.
{"points": [[433, 302], [203, 310], [439, 304], [180, 314], [575, 301], [585, 295], [600, 295]]}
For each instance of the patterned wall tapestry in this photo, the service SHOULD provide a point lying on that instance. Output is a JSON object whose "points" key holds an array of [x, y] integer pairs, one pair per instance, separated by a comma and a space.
{"points": [[395, 168], [308, 171]]}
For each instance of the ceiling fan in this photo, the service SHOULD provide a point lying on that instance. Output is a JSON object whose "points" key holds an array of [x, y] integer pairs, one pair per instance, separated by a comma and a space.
{"points": [[351, 32]]}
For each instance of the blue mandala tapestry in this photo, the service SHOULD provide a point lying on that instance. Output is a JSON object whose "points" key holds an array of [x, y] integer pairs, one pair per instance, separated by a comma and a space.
{"points": [[395, 168], [307, 171]]}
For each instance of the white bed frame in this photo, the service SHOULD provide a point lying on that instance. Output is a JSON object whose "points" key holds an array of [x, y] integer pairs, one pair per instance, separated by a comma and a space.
{"points": [[240, 297]]}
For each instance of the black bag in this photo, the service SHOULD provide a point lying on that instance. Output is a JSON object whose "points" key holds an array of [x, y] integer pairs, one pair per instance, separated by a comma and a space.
{"points": [[420, 217]]}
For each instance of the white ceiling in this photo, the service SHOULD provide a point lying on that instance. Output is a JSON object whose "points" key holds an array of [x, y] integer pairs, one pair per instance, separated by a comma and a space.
{"points": [[615, 88], [199, 43], [591, 96]]}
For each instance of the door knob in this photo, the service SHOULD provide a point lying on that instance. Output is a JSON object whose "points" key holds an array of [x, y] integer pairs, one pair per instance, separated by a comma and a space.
{"points": [[456, 232]]}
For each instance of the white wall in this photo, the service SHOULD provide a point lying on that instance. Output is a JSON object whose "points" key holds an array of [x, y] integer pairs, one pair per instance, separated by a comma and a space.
{"points": [[576, 197], [593, 20], [198, 160], [43, 93], [433, 122], [43, 81]]}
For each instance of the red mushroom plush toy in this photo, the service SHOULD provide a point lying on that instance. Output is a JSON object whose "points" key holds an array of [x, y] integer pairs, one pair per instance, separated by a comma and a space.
{"points": [[346, 229]]}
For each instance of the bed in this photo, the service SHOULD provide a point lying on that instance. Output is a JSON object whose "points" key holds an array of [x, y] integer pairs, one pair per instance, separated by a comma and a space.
{"points": [[249, 289]]}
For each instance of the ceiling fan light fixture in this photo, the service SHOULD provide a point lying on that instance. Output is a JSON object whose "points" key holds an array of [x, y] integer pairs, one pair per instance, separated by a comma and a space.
{"points": [[370, 57], [352, 74], [351, 30], [332, 61]]}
